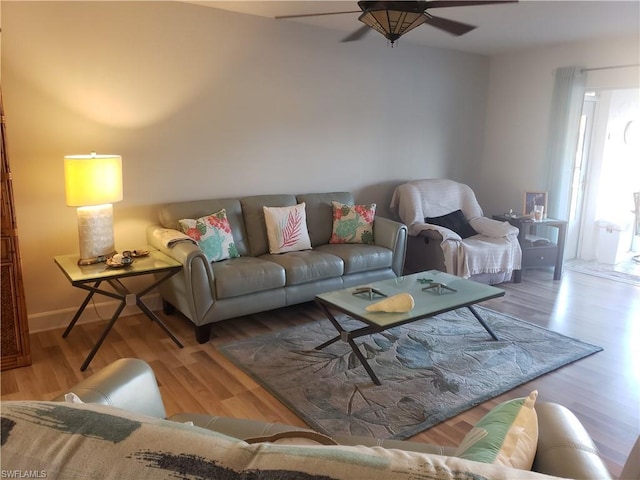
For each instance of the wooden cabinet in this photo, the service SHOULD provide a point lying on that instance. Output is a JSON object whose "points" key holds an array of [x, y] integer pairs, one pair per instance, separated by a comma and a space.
{"points": [[14, 329]]}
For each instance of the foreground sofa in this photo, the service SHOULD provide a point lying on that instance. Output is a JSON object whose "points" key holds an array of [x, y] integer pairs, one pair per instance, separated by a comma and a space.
{"points": [[207, 292], [120, 433]]}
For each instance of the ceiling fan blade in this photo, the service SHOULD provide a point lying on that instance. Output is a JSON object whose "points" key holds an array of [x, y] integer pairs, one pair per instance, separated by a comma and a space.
{"points": [[465, 3], [450, 26], [315, 14], [357, 34]]}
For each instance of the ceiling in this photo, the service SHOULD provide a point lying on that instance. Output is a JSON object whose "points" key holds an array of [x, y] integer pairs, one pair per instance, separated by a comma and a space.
{"points": [[501, 28]]}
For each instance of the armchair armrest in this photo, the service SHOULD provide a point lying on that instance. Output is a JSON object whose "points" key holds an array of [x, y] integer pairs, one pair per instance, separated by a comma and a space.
{"points": [[191, 291], [434, 232], [127, 383], [392, 235], [493, 228]]}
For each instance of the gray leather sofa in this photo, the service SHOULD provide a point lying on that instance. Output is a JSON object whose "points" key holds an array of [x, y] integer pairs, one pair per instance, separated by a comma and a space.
{"points": [[258, 281], [564, 449]]}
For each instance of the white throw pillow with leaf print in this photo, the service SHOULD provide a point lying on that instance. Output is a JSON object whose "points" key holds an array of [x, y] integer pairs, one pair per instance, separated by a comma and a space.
{"points": [[287, 228]]}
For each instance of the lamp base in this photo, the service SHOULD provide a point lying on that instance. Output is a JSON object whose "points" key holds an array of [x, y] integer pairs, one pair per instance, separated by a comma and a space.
{"points": [[95, 232]]}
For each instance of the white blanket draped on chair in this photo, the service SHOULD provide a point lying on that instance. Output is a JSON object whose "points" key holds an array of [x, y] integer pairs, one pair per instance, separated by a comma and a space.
{"points": [[495, 248]]}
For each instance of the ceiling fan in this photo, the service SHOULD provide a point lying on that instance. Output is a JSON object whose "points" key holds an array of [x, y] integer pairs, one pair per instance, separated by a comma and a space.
{"points": [[394, 19]]}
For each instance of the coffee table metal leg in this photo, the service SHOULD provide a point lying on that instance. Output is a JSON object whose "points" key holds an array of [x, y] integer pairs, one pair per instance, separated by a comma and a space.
{"points": [[348, 337], [336, 325], [482, 322], [363, 360]]}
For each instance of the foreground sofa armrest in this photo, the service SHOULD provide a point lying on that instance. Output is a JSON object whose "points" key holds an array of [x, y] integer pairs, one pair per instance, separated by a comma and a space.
{"points": [[392, 235], [127, 383], [565, 448]]}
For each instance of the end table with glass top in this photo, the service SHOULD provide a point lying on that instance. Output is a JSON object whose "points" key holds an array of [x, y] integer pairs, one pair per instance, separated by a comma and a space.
{"points": [[92, 278]]}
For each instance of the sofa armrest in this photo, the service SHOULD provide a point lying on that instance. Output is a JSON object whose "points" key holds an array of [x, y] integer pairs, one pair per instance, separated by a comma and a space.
{"points": [[127, 383], [392, 235], [565, 448], [192, 291]]}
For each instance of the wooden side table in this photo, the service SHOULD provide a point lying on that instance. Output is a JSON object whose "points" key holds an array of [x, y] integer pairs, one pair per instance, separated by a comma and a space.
{"points": [[549, 255], [91, 277]]}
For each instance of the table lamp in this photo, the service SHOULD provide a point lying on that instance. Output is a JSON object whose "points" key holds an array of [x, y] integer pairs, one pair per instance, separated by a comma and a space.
{"points": [[92, 183]]}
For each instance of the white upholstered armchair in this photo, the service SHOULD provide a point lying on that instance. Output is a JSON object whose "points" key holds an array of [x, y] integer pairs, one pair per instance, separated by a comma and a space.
{"points": [[483, 249]]}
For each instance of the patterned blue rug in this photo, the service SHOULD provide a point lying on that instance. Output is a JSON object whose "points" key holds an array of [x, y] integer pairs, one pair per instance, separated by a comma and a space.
{"points": [[430, 370]]}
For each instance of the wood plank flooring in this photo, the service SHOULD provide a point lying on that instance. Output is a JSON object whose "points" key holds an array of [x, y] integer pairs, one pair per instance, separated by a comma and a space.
{"points": [[603, 390]]}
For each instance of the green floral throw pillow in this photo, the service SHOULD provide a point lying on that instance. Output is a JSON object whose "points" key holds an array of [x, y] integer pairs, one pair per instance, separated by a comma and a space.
{"points": [[213, 235], [352, 223]]}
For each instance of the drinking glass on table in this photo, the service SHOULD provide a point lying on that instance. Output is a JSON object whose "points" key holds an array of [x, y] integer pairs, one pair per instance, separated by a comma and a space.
{"points": [[538, 212]]}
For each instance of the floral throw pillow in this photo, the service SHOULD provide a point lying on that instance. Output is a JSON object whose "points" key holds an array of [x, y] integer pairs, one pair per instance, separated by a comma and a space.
{"points": [[213, 235], [352, 223], [287, 228]]}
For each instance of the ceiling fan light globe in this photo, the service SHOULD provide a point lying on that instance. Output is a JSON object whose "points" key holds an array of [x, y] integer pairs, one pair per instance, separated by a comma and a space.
{"points": [[391, 19]]}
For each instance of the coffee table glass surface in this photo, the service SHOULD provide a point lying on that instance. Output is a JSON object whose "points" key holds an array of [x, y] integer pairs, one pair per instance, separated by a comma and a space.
{"points": [[434, 292], [427, 303]]}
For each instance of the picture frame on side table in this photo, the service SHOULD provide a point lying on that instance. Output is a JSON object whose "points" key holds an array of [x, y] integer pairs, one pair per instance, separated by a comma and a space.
{"points": [[531, 199]]}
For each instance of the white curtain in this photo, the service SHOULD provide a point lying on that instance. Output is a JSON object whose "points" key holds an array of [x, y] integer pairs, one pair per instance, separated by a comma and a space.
{"points": [[564, 124]]}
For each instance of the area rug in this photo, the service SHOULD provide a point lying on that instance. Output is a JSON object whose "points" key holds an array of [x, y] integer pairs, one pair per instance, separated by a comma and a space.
{"points": [[430, 370]]}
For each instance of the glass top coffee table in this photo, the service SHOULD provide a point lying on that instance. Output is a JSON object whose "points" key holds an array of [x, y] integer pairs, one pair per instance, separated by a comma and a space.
{"points": [[433, 292]]}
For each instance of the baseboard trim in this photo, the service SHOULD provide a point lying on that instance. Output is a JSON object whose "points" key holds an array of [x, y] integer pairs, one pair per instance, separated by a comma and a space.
{"points": [[40, 322]]}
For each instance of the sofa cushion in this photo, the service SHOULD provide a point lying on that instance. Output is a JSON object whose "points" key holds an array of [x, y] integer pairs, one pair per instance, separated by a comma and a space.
{"points": [[254, 223], [213, 235], [66, 441], [308, 266], [352, 223], [287, 228], [358, 257], [320, 213], [507, 435], [244, 275]]}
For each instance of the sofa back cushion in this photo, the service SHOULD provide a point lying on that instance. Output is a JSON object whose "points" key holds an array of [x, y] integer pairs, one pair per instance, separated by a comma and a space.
{"points": [[320, 214], [253, 214], [170, 214], [61, 440]]}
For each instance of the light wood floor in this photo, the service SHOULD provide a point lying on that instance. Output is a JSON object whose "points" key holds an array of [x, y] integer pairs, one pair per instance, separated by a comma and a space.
{"points": [[603, 389]]}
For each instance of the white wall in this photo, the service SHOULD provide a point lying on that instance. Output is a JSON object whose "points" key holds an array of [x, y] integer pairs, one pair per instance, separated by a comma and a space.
{"points": [[208, 103], [518, 106]]}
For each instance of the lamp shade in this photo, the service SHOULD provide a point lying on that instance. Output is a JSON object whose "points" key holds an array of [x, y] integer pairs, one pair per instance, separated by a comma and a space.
{"points": [[393, 19], [92, 179]]}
